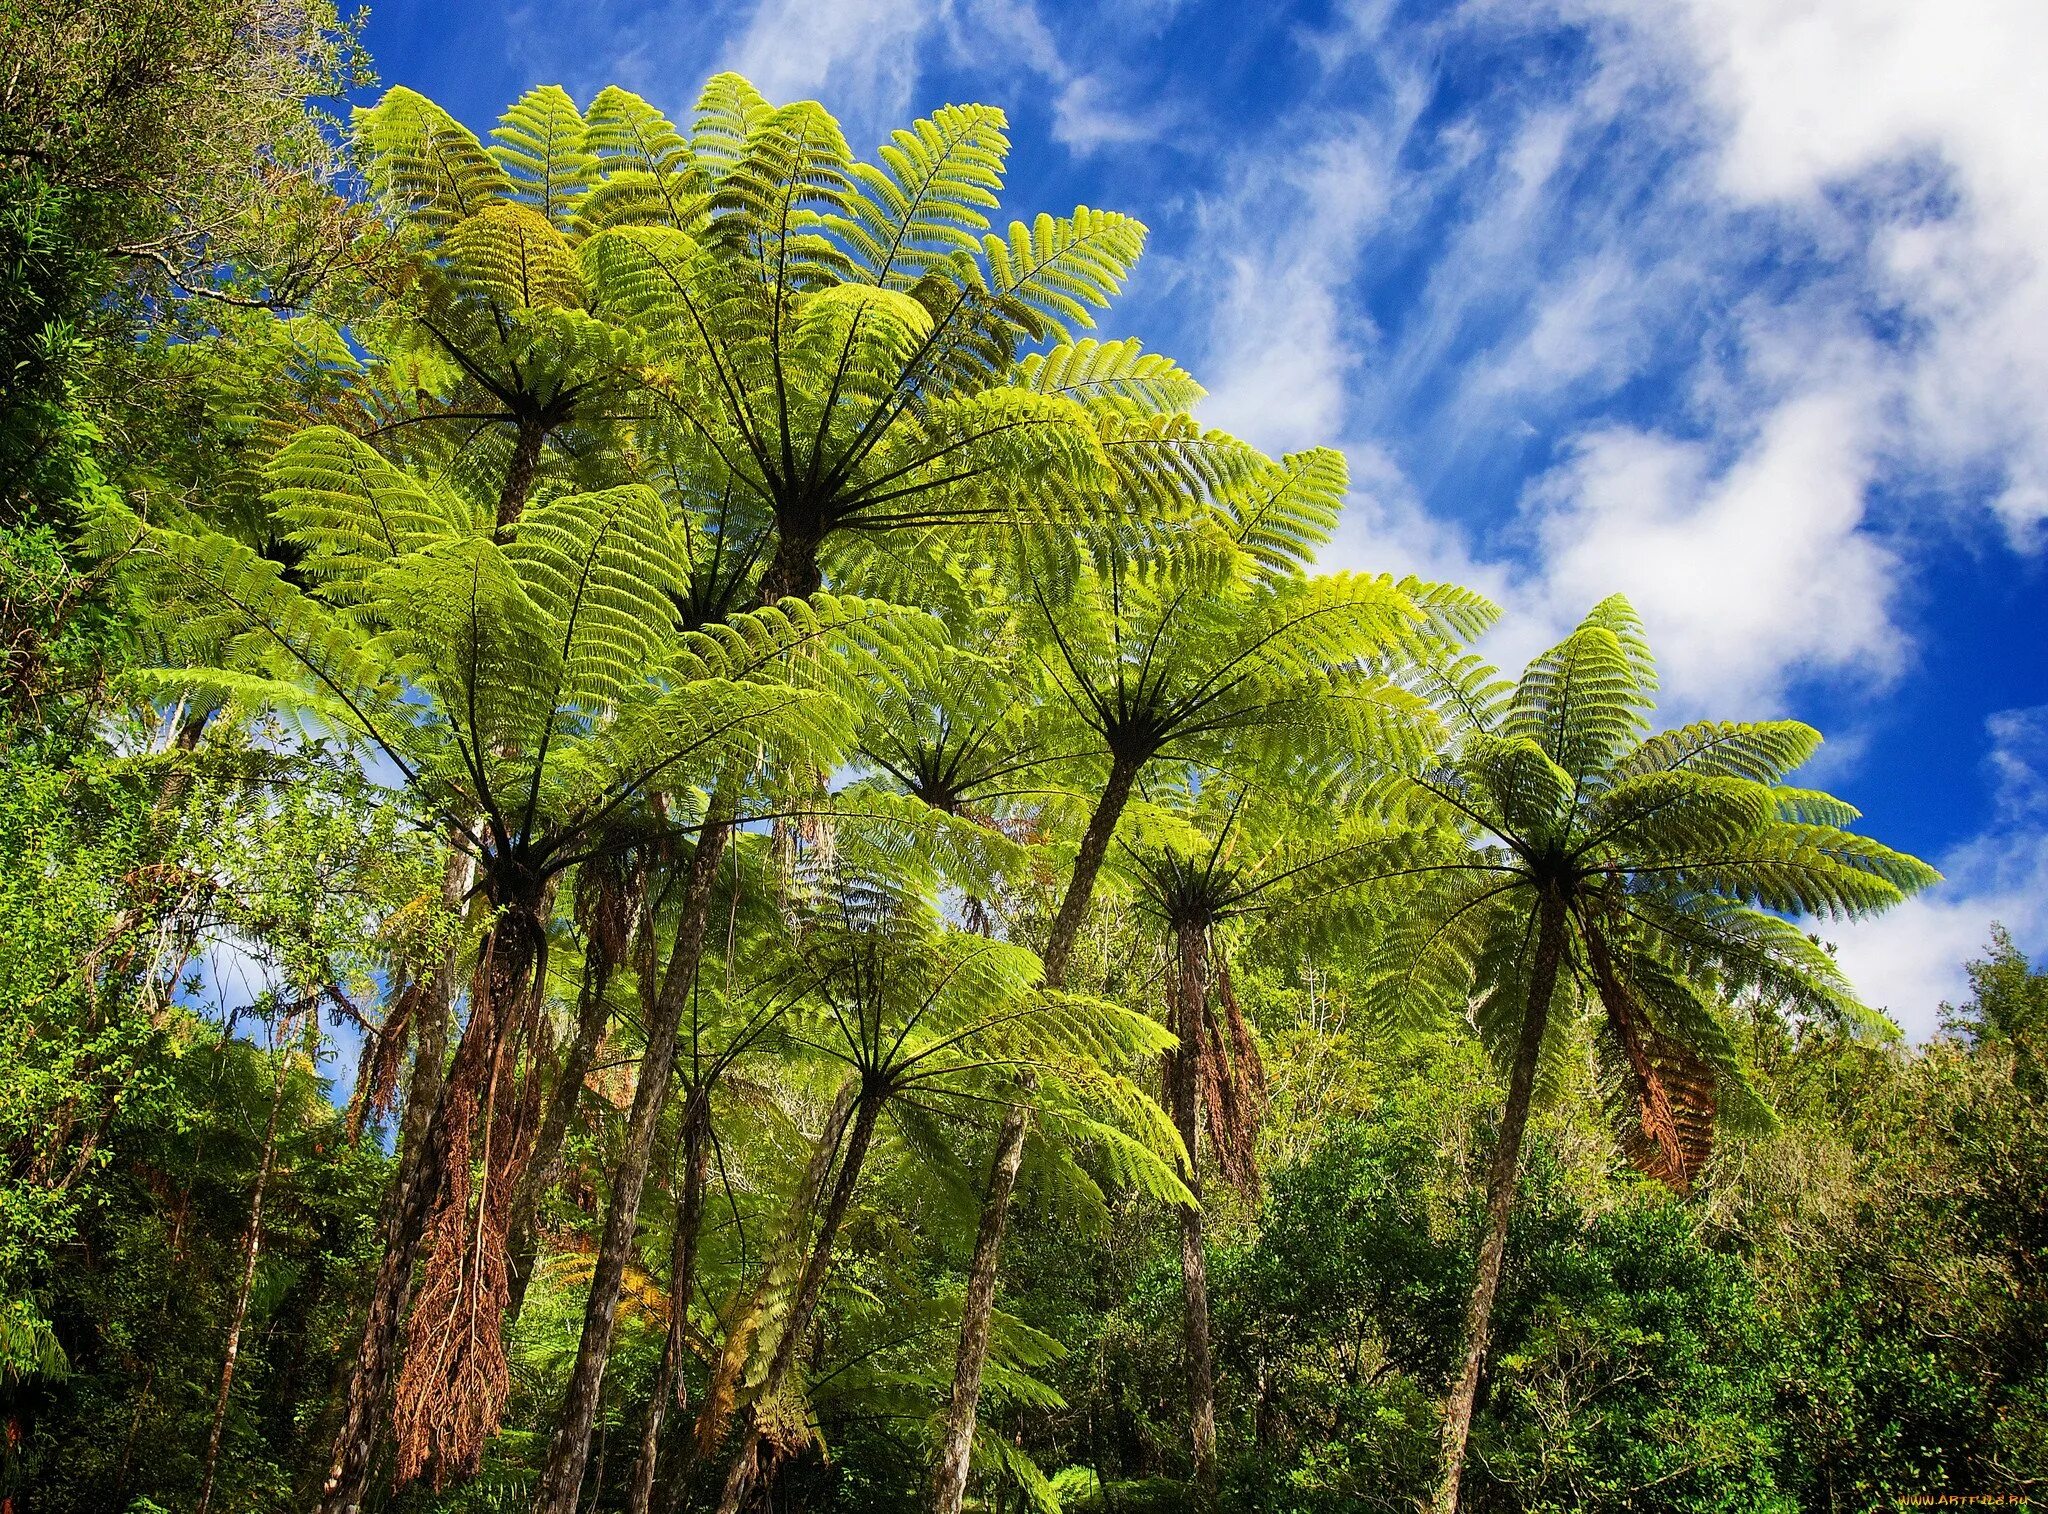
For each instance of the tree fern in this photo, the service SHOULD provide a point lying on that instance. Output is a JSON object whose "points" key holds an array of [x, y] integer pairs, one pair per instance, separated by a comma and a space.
{"points": [[1598, 869]]}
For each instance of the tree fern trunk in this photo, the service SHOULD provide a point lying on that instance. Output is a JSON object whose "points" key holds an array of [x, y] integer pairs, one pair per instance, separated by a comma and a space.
{"points": [[745, 1316], [252, 1249], [682, 1270], [1192, 986], [570, 1448], [793, 570], [592, 1014], [747, 1472], [412, 1189], [949, 1481], [1500, 1199], [1066, 925], [519, 478]]}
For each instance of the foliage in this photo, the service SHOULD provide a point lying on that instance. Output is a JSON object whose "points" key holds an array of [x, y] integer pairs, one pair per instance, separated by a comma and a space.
{"points": [[592, 707]]}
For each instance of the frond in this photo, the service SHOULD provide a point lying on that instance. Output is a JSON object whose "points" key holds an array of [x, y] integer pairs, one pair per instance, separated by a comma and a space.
{"points": [[1426, 965], [894, 834], [1289, 509], [600, 568], [1121, 373], [727, 113], [512, 256], [1762, 751], [1585, 698], [1051, 273], [1798, 869], [775, 198], [1670, 814], [423, 165], [352, 511], [539, 143], [1517, 784], [837, 643], [926, 199], [462, 626], [645, 172]]}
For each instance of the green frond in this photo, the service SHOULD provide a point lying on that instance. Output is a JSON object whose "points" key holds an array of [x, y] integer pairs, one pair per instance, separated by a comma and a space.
{"points": [[645, 173], [1052, 272], [235, 605], [1812, 807], [1799, 869], [512, 256], [774, 199], [1121, 373], [1584, 699], [1455, 613], [1672, 814], [423, 165], [928, 196], [728, 111], [352, 511], [1289, 510], [462, 626], [600, 568], [1166, 465], [1517, 786], [838, 643], [540, 145], [893, 834], [997, 1456], [1763, 751], [1468, 690]]}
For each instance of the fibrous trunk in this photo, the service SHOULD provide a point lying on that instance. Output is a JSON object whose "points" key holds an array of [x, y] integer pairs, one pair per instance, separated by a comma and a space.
{"points": [[949, 1480], [682, 1269], [1066, 925], [1501, 1177], [592, 1014], [570, 1447], [746, 1316], [369, 1378], [1191, 988], [454, 1379]]}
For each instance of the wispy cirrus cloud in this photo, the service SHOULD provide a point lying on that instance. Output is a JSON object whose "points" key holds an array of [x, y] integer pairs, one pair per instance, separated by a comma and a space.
{"points": [[1911, 960]]}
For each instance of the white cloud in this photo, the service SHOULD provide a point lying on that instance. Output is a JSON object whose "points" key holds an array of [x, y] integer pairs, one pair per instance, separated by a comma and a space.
{"points": [[1924, 123], [1745, 576], [1086, 116], [1910, 961], [860, 56], [1285, 339]]}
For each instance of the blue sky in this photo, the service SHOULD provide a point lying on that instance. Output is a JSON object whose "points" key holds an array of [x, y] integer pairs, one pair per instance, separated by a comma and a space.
{"points": [[1734, 306]]}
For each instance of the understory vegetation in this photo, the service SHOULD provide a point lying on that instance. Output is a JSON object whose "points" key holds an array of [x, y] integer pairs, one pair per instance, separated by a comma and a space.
{"points": [[673, 838]]}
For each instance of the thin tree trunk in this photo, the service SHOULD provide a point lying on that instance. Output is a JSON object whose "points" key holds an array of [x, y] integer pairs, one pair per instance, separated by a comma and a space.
{"points": [[252, 1248], [682, 1271], [1066, 925], [1500, 1199], [521, 1240], [1192, 984], [570, 1448], [412, 1190], [747, 1471], [949, 1481]]}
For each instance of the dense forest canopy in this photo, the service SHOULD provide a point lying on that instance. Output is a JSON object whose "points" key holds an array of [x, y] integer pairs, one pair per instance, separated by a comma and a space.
{"points": [[674, 838]]}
